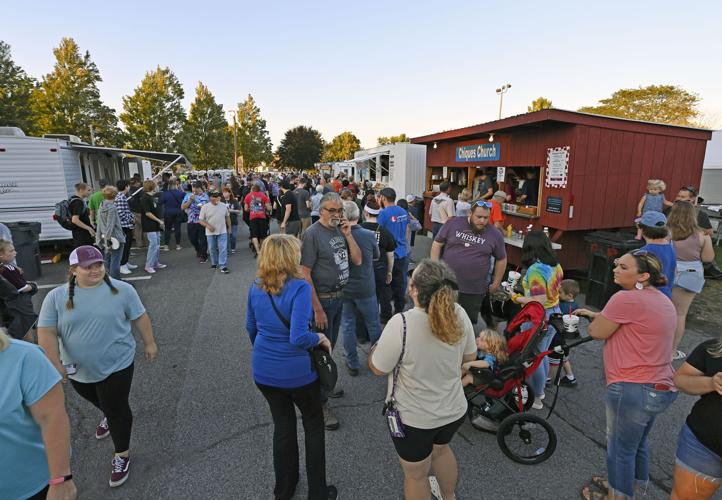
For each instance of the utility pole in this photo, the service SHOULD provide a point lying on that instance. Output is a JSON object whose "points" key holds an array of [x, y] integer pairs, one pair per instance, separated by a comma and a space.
{"points": [[501, 91]]}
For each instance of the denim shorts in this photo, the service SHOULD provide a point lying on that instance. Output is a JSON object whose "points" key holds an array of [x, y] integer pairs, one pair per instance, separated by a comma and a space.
{"points": [[697, 458]]}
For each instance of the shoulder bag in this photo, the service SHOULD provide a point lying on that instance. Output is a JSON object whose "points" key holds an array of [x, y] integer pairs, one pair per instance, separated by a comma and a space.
{"points": [[321, 360], [393, 417]]}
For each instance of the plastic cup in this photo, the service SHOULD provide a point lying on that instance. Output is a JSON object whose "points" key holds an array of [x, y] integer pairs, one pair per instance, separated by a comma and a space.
{"points": [[571, 322]]}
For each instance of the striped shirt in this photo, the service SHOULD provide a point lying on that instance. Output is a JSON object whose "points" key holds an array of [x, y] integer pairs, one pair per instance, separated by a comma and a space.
{"points": [[127, 220]]}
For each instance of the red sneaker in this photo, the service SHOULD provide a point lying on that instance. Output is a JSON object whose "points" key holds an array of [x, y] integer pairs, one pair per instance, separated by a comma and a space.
{"points": [[121, 469], [102, 431]]}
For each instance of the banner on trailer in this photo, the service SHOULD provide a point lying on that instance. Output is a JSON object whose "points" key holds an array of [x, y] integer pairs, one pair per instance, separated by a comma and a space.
{"points": [[478, 152]]}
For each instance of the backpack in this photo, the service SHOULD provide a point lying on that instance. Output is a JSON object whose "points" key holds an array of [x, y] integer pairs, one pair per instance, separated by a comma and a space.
{"points": [[62, 213]]}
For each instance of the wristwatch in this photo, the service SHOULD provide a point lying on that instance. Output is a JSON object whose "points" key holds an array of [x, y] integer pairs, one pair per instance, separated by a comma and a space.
{"points": [[60, 480]]}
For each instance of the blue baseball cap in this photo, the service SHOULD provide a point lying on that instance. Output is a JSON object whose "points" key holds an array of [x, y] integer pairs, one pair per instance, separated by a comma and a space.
{"points": [[653, 219]]}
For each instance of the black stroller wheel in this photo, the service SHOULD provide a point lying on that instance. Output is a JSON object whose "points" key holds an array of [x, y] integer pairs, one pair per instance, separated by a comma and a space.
{"points": [[526, 439]]}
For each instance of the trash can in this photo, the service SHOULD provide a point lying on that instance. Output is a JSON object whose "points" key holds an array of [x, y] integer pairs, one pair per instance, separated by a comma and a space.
{"points": [[605, 246], [26, 240]]}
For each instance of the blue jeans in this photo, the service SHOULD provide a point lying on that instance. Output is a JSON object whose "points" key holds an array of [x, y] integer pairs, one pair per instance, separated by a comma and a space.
{"points": [[218, 249], [332, 308], [369, 311], [539, 377], [151, 259], [631, 411], [112, 261], [232, 238]]}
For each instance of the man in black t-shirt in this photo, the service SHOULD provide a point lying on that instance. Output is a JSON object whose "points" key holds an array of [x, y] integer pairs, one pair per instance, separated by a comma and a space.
{"points": [[383, 266], [291, 222], [83, 232]]}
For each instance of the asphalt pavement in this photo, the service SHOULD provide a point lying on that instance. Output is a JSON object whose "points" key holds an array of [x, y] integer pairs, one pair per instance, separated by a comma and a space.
{"points": [[202, 430]]}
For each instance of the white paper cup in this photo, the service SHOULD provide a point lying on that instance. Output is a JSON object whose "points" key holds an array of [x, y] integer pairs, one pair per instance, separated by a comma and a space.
{"points": [[571, 322], [514, 276]]}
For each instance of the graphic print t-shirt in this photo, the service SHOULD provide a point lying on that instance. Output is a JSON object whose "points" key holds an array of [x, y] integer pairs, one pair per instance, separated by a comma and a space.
{"points": [[257, 204], [325, 252]]}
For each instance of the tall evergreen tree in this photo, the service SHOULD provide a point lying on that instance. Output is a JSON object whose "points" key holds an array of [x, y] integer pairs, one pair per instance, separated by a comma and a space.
{"points": [[68, 100], [342, 147], [206, 139], [254, 143], [16, 89], [154, 116], [301, 147]]}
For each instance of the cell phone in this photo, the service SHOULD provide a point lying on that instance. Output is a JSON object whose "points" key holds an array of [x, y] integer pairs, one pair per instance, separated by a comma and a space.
{"points": [[71, 368]]}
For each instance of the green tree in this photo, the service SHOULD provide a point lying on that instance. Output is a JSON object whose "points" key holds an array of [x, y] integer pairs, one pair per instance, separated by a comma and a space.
{"points": [[393, 139], [154, 116], [254, 143], [539, 104], [301, 147], [16, 89], [342, 147], [68, 100], [655, 103], [206, 138]]}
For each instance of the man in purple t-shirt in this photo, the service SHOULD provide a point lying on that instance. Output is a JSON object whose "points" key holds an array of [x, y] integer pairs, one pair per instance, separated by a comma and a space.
{"points": [[468, 244]]}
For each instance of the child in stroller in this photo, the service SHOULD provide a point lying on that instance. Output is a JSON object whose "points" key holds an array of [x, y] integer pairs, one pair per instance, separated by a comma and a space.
{"points": [[491, 351]]}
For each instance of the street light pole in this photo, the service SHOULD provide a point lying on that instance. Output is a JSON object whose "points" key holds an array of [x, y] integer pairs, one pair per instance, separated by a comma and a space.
{"points": [[501, 91]]}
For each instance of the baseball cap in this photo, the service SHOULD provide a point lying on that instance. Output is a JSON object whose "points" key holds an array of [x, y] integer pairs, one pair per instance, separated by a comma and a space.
{"points": [[500, 194], [85, 255], [653, 219], [410, 198]]}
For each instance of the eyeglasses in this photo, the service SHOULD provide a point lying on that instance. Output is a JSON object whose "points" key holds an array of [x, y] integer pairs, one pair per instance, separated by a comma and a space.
{"points": [[333, 210], [483, 203]]}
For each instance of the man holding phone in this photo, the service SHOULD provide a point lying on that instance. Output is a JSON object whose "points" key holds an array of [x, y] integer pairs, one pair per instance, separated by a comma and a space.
{"points": [[326, 249]]}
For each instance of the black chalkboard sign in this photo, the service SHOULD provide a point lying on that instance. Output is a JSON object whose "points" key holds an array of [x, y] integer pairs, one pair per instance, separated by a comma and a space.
{"points": [[554, 204]]}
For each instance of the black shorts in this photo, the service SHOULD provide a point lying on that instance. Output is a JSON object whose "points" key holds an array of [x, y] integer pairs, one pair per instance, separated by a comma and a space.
{"points": [[419, 443], [258, 228]]}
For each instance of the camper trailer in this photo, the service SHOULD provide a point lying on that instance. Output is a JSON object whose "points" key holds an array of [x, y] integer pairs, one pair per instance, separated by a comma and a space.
{"points": [[401, 166], [38, 172], [710, 188]]}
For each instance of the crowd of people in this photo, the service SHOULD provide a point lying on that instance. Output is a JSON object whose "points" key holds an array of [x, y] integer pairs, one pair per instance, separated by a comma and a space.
{"points": [[341, 267]]}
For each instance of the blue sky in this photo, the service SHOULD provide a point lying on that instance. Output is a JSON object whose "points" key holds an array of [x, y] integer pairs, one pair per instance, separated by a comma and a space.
{"points": [[382, 68]]}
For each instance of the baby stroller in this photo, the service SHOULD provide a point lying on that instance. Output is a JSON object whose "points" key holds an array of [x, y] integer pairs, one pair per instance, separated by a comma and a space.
{"points": [[499, 402]]}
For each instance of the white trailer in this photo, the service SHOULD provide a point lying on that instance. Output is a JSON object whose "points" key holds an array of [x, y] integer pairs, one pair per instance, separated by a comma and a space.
{"points": [[711, 184], [401, 166], [38, 172]]}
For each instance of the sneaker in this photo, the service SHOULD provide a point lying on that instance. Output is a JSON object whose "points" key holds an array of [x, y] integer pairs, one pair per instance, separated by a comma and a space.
{"points": [[435, 488], [332, 492], [233, 251], [178, 247], [548, 382], [330, 421], [568, 382], [125, 270], [225, 270], [678, 355], [102, 431], [164, 248], [131, 266], [160, 266], [538, 404], [213, 266], [202, 260], [336, 393], [119, 474], [149, 270], [351, 371]]}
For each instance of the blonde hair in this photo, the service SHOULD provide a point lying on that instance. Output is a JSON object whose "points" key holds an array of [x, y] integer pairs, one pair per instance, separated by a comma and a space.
{"points": [[682, 220], [435, 284], [4, 339], [148, 186], [656, 184], [495, 343], [278, 262], [465, 195], [110, 192], [5, 245]]}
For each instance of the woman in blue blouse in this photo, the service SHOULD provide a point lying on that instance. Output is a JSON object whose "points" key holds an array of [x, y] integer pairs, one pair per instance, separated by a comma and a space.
{"points": [[282, 367]]}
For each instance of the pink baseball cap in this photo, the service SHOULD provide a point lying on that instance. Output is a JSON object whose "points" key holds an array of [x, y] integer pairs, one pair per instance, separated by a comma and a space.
{"points": [[85, 255]]}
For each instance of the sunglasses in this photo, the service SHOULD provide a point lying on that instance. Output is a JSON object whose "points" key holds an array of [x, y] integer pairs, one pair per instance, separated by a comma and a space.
{"points": [[691, 189], [642, 261], [482, 203]]}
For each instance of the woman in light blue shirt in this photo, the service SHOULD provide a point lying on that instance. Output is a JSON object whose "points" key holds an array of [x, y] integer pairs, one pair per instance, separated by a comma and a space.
{"points": [[35, 432], [85, 329]]}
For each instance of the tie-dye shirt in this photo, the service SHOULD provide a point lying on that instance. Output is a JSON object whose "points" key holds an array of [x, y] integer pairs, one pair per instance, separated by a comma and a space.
{"points": [[543, 279]]}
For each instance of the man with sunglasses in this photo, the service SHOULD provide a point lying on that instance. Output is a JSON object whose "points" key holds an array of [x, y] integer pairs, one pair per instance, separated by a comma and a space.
{"points": [[468, 244], [326, 249]]}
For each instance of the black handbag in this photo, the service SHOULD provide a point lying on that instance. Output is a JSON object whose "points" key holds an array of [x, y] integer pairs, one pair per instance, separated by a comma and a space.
{"points": [[321, 360]]}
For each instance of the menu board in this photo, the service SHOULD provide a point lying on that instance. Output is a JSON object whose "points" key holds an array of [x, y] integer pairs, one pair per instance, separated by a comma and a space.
{"points": [[557, 167]]}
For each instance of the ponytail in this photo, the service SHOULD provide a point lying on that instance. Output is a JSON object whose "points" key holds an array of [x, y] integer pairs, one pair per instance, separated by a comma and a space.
{"points": [[106, 278], [442, 315]]}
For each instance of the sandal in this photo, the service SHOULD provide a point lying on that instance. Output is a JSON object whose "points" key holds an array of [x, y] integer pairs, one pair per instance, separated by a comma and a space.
{"points": [[601, 483], [588, 494]]}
